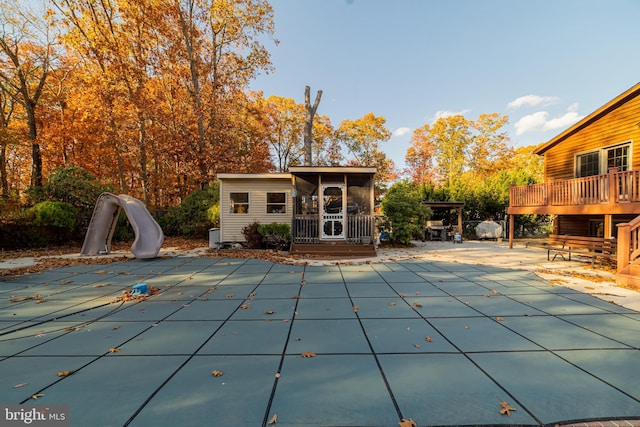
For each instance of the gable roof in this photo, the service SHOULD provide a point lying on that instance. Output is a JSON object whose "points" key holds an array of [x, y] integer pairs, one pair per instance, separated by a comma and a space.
{"points": [[600, 112]]}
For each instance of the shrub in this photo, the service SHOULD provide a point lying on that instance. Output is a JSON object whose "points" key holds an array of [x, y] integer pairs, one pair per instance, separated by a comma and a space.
{"points": [[193, 217], [406, 215], [252, 236], [73, 185], [53, 214], [275, 235]]}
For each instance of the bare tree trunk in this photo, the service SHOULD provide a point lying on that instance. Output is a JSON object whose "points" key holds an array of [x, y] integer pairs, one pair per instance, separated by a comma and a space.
{"points": [[36, 156], [3, 172], [310, 112]]}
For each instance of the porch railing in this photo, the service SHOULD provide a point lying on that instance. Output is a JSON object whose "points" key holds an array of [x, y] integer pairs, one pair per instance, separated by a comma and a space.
{"points": [[306, 229], [628, 243], [613, 187]]}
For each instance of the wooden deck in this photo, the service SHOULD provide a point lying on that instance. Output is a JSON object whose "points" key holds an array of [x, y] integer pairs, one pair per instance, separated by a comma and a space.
{"points": [[611, 193], [333, 250]]}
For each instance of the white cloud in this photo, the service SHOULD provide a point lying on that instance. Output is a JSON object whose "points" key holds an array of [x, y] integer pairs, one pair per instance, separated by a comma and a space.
{"points": [[446, 113], [540, 121], [563, 121], [531, 122], [401, 131], [533, 100]]}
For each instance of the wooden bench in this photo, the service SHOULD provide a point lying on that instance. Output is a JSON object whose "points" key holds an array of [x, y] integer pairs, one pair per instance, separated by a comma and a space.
{"points": [[591, 247]]}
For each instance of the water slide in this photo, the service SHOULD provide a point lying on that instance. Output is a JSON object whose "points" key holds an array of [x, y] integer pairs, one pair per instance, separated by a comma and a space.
{"points": [[149, 235]]}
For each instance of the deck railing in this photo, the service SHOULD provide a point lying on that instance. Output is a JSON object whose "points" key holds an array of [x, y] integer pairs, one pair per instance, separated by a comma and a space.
{"points": [[614, 187], [628, 242], [306, 229]]}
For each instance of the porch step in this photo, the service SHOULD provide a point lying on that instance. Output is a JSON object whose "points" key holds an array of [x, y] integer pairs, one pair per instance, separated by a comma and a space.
{"points": [[629, 276], [333, 250]]}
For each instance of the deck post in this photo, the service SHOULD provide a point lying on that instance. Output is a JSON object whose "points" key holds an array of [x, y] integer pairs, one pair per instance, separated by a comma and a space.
{"points": [[624, 245], [511, 228], [612, 189]]}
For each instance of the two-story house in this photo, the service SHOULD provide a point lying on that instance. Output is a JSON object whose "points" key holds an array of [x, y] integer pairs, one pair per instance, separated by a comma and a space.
{"points": [[591, 177]]}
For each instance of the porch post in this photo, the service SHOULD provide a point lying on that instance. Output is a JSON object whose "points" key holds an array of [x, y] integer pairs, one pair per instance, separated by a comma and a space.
{"points": [[612, 181], [624, 246], [460, 220], [608, 229], [511, 228]]}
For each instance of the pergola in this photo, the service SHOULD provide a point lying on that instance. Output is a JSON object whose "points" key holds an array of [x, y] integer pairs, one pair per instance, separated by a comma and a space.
{"points": [[448, 205]]}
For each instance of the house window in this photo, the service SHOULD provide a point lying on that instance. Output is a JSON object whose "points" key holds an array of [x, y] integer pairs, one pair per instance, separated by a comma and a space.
{"points": [[618, 157], [276, 203], [599, 162], [588, 164], [239, 203]]}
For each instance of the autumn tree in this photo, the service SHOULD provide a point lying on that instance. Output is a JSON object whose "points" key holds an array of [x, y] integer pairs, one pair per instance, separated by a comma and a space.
{"points": [[420, 157], [326, 149], [362, 137], [286, 126], [8, 138], [488, 150], [26, 53], [219, 46], [455, 149]]}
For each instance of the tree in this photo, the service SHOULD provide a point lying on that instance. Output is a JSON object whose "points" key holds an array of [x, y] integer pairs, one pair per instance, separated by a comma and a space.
{"points": [[420, 157], [310, 112], [285, 121], [403, 208], [220, 48], [362, 139], [26, 53], [488, 150]]}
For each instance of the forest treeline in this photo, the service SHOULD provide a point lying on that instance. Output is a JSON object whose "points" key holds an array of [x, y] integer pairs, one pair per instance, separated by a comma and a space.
{"points": [[152, 97]]}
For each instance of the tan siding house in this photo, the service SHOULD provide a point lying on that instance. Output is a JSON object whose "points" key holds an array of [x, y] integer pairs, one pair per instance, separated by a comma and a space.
{"points": [[247, 198], [330, 209]]}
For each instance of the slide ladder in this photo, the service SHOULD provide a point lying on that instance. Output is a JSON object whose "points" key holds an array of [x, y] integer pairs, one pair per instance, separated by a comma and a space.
{"points": [[148, 234]]}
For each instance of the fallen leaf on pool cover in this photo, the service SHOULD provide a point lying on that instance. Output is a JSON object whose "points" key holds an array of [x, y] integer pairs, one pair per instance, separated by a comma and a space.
{"points": [[407, 423], [269, 312], [392, 304], [356, 308], [273, 419], [245, 307], [308, 354], [114, 350], [216, 373], [65, 373], [20, 299], [417, 304], [229, 296], [37, 395], [506, 409], [20, 385], [499, 318], [428, 339]]}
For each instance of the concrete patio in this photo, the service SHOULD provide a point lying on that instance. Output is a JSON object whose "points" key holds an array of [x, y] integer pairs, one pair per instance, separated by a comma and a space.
{"points": [[430, 340]]}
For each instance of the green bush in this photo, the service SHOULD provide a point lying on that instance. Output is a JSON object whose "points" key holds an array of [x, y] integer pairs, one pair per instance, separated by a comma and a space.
{"points": [[73, 185], [404, 211], [275, 235], [193, 217], [53, 214]]}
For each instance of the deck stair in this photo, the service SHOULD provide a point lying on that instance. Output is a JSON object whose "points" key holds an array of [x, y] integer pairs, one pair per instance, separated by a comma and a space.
{"points": [[628, 273], [333, 250]]}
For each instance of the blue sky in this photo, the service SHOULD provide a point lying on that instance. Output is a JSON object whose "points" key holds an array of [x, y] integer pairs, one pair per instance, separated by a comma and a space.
{"points": [[543, 63]]}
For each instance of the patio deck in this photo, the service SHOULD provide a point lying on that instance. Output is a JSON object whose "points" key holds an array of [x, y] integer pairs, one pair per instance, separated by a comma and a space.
{"points": [[438, 342]]}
